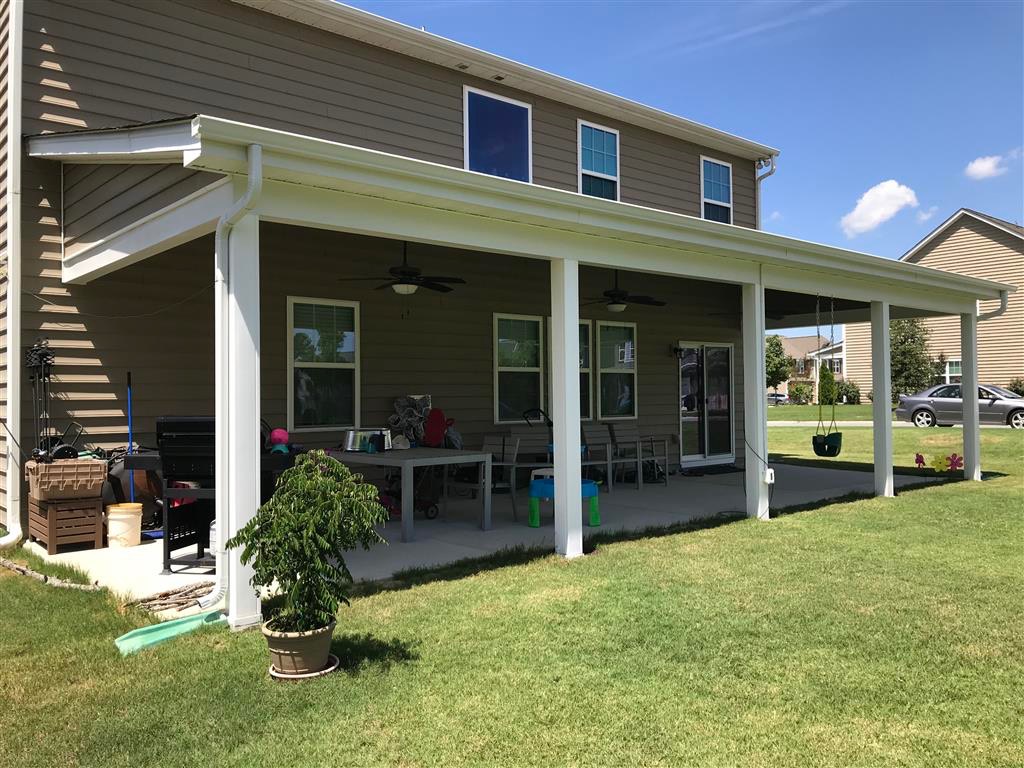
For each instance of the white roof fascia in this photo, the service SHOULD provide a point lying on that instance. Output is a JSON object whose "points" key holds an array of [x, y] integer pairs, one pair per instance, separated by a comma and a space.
{"points": [[219, 145], [154, 143], [382, 32], [942, 227]]}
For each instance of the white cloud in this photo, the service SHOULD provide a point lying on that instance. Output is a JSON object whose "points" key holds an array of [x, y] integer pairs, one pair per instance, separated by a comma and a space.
{"points": [[877, 206], [923, 216], [775, 216], [986, 167]]}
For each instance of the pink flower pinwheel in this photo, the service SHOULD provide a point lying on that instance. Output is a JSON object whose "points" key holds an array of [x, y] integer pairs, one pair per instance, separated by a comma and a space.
{"points": [[956, 462]]}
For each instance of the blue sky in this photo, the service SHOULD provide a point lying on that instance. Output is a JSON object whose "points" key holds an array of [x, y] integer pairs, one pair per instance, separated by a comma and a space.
{"points": [[890, 116]]}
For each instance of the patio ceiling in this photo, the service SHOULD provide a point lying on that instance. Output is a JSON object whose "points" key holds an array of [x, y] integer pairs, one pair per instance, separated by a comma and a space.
{"points": [[324, 184]]}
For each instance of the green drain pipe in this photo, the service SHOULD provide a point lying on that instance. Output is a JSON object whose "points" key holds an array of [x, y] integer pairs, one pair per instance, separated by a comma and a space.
{"points": [[146, 637]]}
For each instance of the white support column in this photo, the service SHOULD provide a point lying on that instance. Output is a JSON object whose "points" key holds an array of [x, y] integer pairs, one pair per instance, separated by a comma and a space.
{"points": [[755, 411], [881, 375], [565, 406], [243, 408], [969, 391]]}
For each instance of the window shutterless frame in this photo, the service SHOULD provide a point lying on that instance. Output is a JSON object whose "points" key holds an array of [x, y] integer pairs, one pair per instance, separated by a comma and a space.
{"points": [[588, 370], [602, 370], [703, 199], [468, 89], [579, 157], [499, 369], [706, 458], [353, 366]]}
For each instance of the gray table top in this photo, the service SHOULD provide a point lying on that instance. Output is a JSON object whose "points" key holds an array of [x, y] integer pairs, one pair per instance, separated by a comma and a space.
{"points": [[411, 457]]}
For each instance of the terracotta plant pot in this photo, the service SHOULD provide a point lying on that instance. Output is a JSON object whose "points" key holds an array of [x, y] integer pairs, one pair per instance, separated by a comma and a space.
{"points": [[299, 653]]}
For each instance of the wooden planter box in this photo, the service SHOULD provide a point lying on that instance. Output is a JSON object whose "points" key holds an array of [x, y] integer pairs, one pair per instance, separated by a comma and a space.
{"points": [[67, 521]]}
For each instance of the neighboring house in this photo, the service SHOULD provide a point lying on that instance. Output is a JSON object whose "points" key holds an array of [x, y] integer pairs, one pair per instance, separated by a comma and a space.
{"points": [[205, 193], [832, 355], [800, 349], [978, 245]]}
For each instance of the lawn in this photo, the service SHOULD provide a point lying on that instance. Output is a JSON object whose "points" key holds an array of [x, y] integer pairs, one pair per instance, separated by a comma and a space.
{"points": [[880, 632], [810, 412]]}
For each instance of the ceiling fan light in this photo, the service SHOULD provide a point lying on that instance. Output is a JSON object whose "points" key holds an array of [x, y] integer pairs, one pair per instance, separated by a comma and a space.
{"points": [[404, 289], [617, 306]]}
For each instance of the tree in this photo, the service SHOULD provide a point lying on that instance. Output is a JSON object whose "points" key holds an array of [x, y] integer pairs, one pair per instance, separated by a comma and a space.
{"points": [[778, 367], [826, 384], [912, 368]]}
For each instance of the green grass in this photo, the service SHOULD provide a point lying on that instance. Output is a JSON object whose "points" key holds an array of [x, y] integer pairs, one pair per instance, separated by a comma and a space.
{"points": [[881, 632], [810, 412]]}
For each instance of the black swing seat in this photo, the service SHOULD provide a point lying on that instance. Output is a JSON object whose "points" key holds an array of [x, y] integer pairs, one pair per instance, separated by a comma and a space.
{"points": [[828, 446]]}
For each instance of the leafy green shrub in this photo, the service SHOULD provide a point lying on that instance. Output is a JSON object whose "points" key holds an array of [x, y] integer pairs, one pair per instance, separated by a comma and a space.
{"points": [[1017, 385], [826, 384], [800, 394], [319, 511], [847, 392]]}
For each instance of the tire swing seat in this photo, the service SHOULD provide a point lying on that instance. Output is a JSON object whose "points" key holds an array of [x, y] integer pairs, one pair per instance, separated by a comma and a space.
{"points": [[826, 442]]}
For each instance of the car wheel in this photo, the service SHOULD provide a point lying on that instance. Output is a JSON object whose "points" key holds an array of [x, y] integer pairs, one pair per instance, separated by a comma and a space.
{"points": [[1016, 420], [924, 419]]}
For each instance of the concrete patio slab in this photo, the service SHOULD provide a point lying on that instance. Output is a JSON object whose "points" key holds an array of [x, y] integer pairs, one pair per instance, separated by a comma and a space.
{"points": [[135, 572]]}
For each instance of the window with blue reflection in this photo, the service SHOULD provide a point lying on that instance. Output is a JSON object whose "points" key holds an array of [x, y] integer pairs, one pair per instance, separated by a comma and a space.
{"points": [[499, 137], [717, 192], [599, 162]]}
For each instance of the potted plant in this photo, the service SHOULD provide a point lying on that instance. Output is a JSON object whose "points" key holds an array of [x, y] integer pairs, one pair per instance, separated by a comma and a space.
{"points": [[297, 540]]}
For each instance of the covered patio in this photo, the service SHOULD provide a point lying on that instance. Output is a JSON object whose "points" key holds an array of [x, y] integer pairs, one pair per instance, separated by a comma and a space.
{"points": [[455, 534], [564, 246]]}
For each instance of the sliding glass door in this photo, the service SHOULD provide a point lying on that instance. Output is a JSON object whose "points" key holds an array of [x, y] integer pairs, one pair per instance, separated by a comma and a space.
{"points": [[706, 418]]}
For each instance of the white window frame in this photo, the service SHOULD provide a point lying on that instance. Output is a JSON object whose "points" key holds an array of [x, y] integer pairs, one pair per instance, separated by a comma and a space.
{"points": [[601, 371], [589, 370], [579, 158], [732, 192], [354, 366], [947, 375], [468, 89], [539, 370]]}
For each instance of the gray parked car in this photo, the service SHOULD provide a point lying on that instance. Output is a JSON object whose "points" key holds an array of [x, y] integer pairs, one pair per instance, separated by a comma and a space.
{"points": [[943, 406]]}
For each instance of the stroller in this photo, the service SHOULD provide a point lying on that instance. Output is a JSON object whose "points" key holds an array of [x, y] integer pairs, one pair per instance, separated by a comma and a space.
{"points": [[428, 482]]}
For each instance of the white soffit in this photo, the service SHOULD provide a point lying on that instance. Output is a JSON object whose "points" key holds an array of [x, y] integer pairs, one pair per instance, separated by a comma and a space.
{"points": [[218, 145]]}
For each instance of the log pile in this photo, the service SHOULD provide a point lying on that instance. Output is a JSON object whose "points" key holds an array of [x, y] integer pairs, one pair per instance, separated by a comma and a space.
{"points": [[178, 599], [53, 581]]}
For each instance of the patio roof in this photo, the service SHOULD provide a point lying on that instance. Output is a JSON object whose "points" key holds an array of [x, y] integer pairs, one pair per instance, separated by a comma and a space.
{"points": [[314, 182]]}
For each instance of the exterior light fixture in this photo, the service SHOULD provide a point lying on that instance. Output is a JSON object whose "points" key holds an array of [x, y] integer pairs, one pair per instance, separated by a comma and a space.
{"points": [[404, 289], [617, 306]]}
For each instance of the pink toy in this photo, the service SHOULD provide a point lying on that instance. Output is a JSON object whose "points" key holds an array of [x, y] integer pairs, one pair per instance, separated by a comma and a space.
{"points": [[955, 462], [279, 436]]}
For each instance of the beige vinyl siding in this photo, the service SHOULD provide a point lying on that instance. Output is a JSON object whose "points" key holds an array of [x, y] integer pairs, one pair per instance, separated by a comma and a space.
{"points": [[4, 250], [105, 63], [857, 343], [101, 199], [440, 344], [977, 249]]}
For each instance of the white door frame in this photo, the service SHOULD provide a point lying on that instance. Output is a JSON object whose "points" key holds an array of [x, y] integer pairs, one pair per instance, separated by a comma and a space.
{"points": [[704, 460]]}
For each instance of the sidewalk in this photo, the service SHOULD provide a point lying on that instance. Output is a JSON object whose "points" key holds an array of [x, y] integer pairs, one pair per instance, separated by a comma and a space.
{"points": [[866, 424]]}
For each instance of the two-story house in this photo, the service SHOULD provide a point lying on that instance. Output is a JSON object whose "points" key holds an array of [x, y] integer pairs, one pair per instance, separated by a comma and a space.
{"points": [[968, 243], [231, 199]]}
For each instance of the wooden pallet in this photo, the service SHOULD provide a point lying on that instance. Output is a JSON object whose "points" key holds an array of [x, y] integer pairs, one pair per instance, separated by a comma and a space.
{"points": [[66, 521]]}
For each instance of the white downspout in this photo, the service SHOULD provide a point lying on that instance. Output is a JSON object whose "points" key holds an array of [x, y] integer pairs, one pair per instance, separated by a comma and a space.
{"points": [[232, 216], [1004, 302], [769, 161], [14, 257]]}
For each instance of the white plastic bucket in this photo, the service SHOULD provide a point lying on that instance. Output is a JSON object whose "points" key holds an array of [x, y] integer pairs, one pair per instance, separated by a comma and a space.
{"points": [[124, 525]]}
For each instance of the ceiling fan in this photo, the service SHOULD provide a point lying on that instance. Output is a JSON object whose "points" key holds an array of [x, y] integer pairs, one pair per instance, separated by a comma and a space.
{"points": [[617, 299], [405, 279]]}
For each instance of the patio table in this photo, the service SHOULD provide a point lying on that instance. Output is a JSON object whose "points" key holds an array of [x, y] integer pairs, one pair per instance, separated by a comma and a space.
{"points": [[408, 460]]}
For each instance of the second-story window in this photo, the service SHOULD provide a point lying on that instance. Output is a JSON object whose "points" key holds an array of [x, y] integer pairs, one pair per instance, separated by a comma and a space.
{"points": [[599, 161], [716, 190], [497, 135]]}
